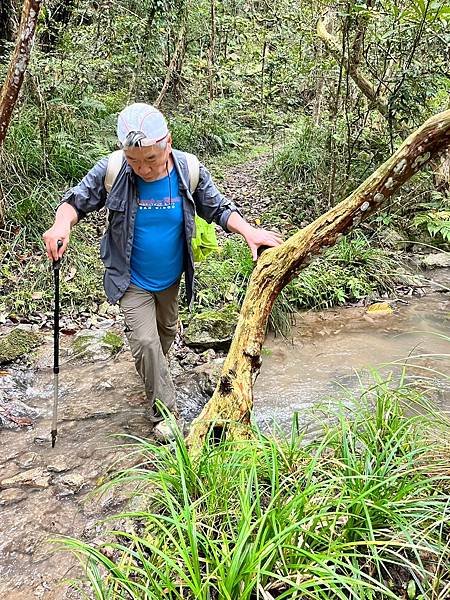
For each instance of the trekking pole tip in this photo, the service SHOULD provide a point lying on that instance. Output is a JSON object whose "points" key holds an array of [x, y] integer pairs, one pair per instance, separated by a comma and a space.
{"points": [[54, 434]]}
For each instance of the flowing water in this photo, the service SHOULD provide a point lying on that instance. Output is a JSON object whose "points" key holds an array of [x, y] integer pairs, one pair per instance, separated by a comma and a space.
{"points": [[330, 354], [44, 492]]}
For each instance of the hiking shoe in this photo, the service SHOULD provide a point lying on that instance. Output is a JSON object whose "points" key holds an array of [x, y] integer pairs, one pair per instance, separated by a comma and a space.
{"points": [[164, 432]]}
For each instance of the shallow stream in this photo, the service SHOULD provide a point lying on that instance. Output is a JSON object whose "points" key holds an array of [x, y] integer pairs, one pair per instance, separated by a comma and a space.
{"points": [[45, 492]]}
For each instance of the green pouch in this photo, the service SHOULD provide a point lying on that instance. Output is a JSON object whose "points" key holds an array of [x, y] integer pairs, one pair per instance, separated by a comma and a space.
{"points": [[205, 240]]}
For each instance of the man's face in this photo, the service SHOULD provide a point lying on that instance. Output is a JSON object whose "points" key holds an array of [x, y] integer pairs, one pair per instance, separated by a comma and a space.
{"points": [[149, 162]]}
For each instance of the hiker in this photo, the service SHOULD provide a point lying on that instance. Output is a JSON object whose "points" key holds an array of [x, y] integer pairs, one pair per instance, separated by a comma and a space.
{"points": [[152, 195]]}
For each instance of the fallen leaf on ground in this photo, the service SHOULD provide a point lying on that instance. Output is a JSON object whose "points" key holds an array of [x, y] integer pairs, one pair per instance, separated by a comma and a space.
{"points": [[380, 308]]}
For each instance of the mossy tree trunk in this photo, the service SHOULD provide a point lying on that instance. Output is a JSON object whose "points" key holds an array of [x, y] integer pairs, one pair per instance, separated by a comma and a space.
{"points": [[232, 400], [18, 65], [19, 62]]}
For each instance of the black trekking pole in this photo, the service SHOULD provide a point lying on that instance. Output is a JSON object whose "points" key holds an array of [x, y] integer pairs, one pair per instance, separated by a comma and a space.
{"points": [[56, 265]]}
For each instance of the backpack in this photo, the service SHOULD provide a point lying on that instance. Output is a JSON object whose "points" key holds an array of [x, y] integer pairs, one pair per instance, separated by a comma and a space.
{"points": [[204, 241]]}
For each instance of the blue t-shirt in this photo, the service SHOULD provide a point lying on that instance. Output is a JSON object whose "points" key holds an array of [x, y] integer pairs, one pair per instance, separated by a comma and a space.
{"points": [[157, 257]]}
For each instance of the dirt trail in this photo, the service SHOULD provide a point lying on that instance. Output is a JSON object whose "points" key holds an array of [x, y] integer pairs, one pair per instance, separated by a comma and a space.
{"points": [[243, 184]]}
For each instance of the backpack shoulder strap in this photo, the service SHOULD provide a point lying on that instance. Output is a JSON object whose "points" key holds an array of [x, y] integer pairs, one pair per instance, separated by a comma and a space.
{"points": [[115, 161], [194, 171]]}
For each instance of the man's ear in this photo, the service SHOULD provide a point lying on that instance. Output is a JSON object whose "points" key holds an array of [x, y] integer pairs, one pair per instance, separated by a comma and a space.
{"points": [[169, 140]]}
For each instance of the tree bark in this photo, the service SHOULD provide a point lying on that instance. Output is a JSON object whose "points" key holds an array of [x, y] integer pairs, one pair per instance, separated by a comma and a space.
{"points": [[232, 401], [19, 62], [361, 80], [171, 67], [7, 18]]}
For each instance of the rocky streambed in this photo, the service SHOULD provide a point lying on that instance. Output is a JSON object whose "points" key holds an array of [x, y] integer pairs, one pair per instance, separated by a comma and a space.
{"points": [[47, 492]]}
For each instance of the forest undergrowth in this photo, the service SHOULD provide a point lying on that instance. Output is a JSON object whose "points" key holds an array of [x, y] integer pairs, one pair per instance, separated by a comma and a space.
{"points": [[360, 268], [236, 81]]}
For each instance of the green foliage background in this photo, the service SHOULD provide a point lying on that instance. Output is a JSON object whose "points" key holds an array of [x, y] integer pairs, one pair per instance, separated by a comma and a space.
{"points": [[250, 74]]}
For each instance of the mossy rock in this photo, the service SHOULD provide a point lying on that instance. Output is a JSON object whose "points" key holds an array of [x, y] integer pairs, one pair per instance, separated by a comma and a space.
{"points": [[114, 341], [17, 343], [212, 328], [96, 344]]}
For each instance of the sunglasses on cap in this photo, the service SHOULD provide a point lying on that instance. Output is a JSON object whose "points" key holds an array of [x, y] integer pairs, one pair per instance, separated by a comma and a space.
{"points": [[138, 139]]}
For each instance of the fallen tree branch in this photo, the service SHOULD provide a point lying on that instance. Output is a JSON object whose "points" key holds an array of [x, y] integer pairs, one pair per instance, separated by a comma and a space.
{"points": [[232, 401]]}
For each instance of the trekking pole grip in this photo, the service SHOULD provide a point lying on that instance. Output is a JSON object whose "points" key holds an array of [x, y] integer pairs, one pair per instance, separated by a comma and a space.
{"points": [[57, 262]]}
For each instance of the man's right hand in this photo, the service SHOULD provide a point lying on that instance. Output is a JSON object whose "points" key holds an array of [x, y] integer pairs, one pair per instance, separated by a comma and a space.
{"points": [[66, 218], [51, 237]]}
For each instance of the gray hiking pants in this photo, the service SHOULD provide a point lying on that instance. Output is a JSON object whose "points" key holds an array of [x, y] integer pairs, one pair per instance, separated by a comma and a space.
{"points": [[151, 324]]}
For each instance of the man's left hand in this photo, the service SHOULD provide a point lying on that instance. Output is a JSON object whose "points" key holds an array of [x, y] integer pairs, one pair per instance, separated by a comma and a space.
{"points": [[253, 236], [261, 237]]}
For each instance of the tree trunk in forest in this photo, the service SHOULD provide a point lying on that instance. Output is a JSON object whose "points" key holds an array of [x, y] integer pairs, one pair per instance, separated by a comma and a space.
{"points": [[361, 80], [329, 20], [232, 401], [263, 68], [171, 67], [441, 168], [360, 28], [19, 62], [212, 52], [7, 19]]}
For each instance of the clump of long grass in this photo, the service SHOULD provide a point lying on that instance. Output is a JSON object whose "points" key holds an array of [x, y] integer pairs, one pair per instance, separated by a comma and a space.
{"points": [[354, 515]]}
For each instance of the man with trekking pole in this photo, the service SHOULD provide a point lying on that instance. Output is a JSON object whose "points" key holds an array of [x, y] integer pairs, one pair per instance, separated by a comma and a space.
{"points": [[152, 193]]}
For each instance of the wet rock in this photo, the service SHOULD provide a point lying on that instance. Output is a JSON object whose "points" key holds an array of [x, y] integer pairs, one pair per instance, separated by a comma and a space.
{"points": [[212, 329], [17, 414], [41, 440], [59, 464], [95, 345], [394, 239], [195, 388], [17, 343], [105, 323], [439, 260], [104, 385], [69, 484], [439, 280], [208, 374], [28, 460], [12, 496], [34, 478], [114, 310], [190, 398], [208, 355], [190, 360]]}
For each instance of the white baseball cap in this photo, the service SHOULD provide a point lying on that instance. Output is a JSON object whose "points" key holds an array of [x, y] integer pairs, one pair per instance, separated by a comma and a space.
{"points": [[141, 124]]}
